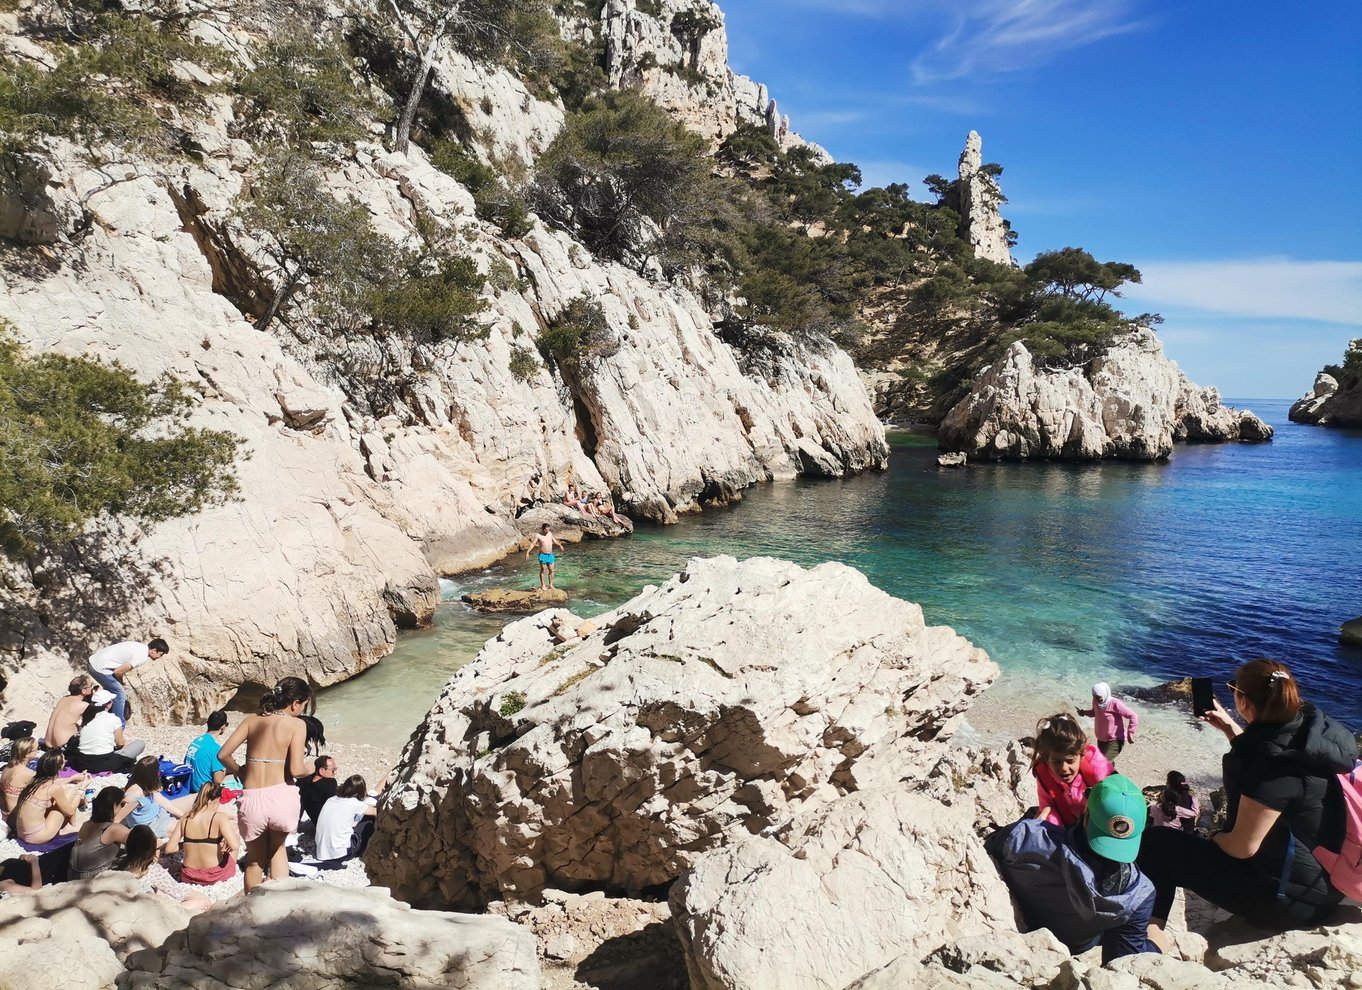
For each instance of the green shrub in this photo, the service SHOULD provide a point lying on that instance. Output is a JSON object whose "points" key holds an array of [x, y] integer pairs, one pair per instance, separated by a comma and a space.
{"points": [[579, 334], [512, 702], [303, 90], [82, 441], [523, 364], [450, 157]]}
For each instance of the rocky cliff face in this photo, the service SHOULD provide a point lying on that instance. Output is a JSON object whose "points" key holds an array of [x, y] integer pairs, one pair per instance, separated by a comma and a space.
{"points": [[346, 517], [676, 52], [980, 222], [1131, 403], [1331, 402]]}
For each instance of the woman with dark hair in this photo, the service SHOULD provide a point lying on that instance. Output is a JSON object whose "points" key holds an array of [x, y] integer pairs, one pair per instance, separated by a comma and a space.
{"points": [[47, 806], [345, 823], [99, 840], [143, 802], [275, 753], [1277, 778], [208, 838], [143, 861]]}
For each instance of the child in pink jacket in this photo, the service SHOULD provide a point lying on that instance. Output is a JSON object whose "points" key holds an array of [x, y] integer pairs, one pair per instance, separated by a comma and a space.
{"points": [[1113, 721], [1065, 765]]}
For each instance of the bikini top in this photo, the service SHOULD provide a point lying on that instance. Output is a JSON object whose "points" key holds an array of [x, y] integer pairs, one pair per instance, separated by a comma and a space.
{"points": [[261, 759], [209, 838]]}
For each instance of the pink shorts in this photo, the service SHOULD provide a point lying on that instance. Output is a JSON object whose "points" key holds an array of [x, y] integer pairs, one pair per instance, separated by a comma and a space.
{"points": [[265, 809]]}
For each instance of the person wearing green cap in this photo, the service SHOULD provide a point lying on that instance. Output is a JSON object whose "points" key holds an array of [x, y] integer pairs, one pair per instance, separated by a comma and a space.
{"points": [[1081, 882]]}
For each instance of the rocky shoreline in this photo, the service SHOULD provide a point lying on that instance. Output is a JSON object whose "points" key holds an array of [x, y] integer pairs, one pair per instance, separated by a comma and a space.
{"points": [[716, 785]]}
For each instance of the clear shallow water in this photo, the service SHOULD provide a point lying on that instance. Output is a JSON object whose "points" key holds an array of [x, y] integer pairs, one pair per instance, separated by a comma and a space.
{"points": [[1065, 575]]}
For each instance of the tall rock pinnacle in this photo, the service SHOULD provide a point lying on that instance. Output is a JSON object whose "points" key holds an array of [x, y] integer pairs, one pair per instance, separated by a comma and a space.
{"points": [[980, 222]]}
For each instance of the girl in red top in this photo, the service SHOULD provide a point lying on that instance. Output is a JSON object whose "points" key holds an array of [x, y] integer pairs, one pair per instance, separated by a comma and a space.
{"points": [[1065, 765]]}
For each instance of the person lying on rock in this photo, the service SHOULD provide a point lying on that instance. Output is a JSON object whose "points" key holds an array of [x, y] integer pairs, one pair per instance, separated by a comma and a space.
{"points": [[14, 882], [605, 507], [1081, 882], [68, 715], [101, 746], [1281, 803]]}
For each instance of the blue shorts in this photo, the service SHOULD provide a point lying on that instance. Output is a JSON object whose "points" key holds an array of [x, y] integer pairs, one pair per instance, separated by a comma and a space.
{"points": [[546, 558]]}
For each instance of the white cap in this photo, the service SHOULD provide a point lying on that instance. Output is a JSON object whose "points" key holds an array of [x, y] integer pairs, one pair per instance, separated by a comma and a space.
{"points": [[101, 697], [1102, 691]]}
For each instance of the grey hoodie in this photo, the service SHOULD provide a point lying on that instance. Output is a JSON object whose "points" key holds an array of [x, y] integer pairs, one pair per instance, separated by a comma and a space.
{"points": [[1049, 871]]}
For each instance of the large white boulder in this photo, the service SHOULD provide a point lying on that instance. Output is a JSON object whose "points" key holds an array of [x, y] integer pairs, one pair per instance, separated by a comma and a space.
{"points": [[717, 706], [840, 891], [296, 933]]}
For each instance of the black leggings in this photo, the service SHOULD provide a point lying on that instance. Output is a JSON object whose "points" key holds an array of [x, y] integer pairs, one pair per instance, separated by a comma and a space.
{"points": [[1172, 858]]}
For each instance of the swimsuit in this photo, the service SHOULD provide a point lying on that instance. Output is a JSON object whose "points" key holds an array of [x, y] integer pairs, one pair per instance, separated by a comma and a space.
{"points": [[546, 558], [206, 876], [91, 857], [268, 809]]}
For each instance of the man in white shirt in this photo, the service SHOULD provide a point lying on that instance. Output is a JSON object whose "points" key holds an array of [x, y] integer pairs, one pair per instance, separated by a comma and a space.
{"points": [[110, 665]]}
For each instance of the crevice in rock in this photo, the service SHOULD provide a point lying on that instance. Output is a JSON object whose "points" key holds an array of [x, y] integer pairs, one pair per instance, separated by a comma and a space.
{"points": [[234, 277]]}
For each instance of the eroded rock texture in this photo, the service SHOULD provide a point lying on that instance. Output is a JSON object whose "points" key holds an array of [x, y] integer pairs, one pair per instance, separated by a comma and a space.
{"points": [[720, 705]]}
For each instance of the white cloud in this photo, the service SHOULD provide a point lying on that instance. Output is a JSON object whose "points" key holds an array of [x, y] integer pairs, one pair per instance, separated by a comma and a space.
{"points": [[990, 37], [1329, 291]]}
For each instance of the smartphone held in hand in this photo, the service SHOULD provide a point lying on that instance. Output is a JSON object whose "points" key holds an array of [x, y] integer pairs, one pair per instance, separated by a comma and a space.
{"points": [[1203, 698]]}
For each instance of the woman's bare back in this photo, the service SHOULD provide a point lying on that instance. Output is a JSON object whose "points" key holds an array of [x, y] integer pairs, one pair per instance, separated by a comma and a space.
{"points": [[274, 745]]}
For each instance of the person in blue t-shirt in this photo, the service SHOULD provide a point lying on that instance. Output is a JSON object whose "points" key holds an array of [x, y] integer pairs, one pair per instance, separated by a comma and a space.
{"points": [[202, 754]]}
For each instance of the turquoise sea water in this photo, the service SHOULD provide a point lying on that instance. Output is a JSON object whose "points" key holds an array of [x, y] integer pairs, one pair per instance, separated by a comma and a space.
{"points": [[1064, 574]]}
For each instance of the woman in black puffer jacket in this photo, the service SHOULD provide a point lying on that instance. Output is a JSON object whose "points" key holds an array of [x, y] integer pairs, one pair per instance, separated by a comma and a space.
{"points": [[1281, 804]]}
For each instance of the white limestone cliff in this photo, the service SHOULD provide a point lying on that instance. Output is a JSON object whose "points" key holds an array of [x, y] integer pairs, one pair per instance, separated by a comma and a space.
{"points": [[676, 52], [980, 198], [344, 520], [1130, 403], [1329, 402]]}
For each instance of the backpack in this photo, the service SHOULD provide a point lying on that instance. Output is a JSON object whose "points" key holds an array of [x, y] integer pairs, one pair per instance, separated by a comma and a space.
{"points": [[1344, 864], [175, 778]]}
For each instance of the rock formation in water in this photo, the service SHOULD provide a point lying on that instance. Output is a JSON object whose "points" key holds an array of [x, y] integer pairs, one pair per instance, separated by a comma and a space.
{"points": [[1336, 398], [720, 705], [1130, 403], [980, 222], [347, 514]]}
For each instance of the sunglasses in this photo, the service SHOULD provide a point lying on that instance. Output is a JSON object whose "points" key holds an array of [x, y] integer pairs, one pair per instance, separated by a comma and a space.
{"points": [[1233, 687]]}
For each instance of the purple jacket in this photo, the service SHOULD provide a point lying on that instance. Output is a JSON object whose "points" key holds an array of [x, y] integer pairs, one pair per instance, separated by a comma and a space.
{"points": [[1110, 721]]}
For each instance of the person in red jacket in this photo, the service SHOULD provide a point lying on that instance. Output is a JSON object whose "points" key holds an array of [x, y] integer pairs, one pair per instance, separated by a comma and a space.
{"points": [[1113, 721]]}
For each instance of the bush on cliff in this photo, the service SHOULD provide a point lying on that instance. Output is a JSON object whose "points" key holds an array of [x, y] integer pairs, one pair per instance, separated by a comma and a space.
{"points": [[303, 89], [580, 333], [82, 441]]}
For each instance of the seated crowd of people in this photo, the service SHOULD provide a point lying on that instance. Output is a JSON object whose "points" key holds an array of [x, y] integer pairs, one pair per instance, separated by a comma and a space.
{"points": [[83, 799], [591, 504]]}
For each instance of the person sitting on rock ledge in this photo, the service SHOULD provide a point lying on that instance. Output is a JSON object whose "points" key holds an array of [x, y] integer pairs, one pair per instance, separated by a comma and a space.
{"points": [[1081, 882], [605, 508], [345, 824], [101, 746], [545, 541], [1281, 803]]}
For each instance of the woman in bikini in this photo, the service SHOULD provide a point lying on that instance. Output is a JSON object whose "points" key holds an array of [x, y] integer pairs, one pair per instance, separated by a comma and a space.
{"points": [[16, 775], [44, 812], [209, 839], [269, 806]]}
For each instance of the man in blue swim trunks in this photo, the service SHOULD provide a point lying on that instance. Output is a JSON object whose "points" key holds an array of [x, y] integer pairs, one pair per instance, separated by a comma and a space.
{"points": [[545, 541]]}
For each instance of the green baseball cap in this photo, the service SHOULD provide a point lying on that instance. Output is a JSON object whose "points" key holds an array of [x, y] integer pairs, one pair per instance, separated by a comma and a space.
{"points": [[1117, 813]]}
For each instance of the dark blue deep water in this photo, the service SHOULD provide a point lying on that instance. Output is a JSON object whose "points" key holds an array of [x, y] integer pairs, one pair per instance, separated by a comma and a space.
{"points": [[1065, 575]]}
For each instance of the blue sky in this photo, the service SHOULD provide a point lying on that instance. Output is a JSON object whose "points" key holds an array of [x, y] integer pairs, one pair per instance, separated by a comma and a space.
{"points": [[1216, 145]]}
